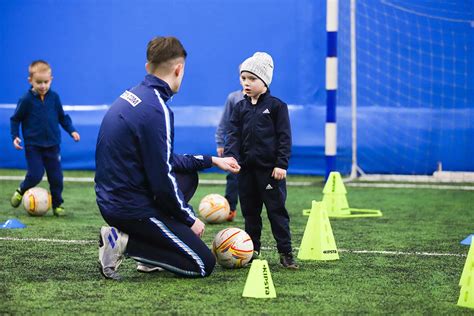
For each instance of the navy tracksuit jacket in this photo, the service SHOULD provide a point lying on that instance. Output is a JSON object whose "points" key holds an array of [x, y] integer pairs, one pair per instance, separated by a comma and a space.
{"points": [[260, 140], [40, 120], [137, 181]]}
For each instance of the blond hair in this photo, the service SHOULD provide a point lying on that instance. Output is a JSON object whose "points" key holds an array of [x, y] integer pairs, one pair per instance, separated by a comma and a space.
{"points": [[38, 66]]}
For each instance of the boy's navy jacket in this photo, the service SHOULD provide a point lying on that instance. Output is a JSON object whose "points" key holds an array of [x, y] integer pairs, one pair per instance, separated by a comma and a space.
{"points": [[260, 134], [40, 119], [135, 163]]}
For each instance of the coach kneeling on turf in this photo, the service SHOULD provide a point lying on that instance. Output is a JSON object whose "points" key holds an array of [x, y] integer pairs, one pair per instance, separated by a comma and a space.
{"points": [[142, 187]]}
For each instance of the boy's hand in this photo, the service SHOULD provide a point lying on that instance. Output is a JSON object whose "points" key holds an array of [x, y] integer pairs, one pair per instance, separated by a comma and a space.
{"points": [[220, 151], [16, 143], [226, 164], [76, 136], [278, 173]]}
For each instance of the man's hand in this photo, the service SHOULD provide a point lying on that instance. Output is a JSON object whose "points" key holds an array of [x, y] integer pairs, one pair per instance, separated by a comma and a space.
{"points": [[76, 136], [16, 143], [220, 151], [198, 228], [278, 173], [226, 164]]}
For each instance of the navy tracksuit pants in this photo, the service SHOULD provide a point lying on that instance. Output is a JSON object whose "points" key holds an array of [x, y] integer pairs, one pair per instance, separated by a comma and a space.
{"points": [[167, 243], [38, 159], [257, 187]]}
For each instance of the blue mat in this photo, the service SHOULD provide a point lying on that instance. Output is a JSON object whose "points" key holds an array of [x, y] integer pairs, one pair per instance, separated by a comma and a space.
{"points": [[12, 223], [468, 240]]}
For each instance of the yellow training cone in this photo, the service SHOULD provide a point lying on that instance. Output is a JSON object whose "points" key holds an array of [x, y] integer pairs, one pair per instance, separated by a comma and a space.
{"points": [[318, 240], [334, 184], [468, 266], [337, 206], [466, 297], [336, 203], [259, 281]]}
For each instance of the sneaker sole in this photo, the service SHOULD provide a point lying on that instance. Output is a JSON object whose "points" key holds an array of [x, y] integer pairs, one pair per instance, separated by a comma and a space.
{"points": [[116, 277], [148, 270]]}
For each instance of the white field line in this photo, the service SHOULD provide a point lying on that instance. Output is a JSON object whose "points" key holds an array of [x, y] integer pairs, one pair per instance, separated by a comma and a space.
{"points": [[411, 186], [292, 183], [377, 252], [58, 241]]}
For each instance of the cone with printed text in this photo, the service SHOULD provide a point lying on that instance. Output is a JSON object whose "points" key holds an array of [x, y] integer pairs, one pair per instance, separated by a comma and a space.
{"points": [[318, 240], [259, 282], [334, 195]]}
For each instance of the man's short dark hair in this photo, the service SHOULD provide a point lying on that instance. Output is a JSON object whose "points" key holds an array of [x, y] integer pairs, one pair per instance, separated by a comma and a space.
{"points": [[163, 49]]}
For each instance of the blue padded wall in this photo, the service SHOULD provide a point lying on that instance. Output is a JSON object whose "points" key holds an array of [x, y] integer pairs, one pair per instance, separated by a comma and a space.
{"points": [[97, 49]]}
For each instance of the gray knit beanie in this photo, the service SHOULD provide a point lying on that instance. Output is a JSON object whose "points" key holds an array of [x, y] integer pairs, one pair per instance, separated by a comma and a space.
{"points": [[261, 65]]}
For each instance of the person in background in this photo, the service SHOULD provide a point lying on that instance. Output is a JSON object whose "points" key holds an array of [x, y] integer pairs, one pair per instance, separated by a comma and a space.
{"points": [[232, 184]]}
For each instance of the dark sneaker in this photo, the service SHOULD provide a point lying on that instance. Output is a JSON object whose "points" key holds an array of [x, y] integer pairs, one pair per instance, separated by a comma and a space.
{"points": [[288, 261], [147, 268], [255, 255], [59, 211], [16, 198], [112, 244], [231, 216]]}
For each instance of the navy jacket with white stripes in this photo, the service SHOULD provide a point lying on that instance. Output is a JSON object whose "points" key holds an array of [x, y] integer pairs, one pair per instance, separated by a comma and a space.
{"points": [[135, 163]]}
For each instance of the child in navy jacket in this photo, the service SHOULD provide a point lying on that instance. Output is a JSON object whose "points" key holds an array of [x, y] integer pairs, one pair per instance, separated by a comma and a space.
{"points": [[260, 140], [40, 112]]}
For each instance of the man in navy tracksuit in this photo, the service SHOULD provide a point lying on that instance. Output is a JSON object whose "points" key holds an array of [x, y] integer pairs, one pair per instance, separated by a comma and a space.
{"points": [[142, 187], [260, 139]]}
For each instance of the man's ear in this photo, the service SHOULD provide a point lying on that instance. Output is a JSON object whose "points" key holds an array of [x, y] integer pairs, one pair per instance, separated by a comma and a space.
{"points": [[30, 79], [147, 67], [178, 69]]}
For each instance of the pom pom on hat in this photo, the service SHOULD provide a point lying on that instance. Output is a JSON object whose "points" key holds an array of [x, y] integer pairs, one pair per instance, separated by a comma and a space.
{"points": [[261, 65]]}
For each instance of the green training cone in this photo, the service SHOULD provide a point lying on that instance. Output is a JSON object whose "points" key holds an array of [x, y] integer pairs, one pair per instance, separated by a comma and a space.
{"points": [[259, 282], [318, 240]]}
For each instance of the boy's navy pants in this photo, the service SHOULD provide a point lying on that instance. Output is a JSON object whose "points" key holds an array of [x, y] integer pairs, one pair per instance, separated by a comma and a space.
{"points": [[39, 159], [257, 187], [167, 243]]}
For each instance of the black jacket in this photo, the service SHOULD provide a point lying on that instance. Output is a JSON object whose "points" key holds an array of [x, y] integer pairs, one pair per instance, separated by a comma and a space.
{"points": [[260, 134]]}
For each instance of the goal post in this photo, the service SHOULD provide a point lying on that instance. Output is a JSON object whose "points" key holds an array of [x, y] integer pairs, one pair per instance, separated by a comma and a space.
{"points": [[406, 77]]}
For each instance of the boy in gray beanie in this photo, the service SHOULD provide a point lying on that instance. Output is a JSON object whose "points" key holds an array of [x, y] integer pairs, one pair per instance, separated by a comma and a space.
{"points": [[260, 140]]}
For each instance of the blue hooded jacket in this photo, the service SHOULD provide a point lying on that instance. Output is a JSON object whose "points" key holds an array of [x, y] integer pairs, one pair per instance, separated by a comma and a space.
{"points": [[135, 163]]}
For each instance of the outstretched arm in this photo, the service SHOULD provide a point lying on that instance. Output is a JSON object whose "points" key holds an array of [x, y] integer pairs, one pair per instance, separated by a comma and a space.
{"points": [[15, 120], [227, 164]]}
